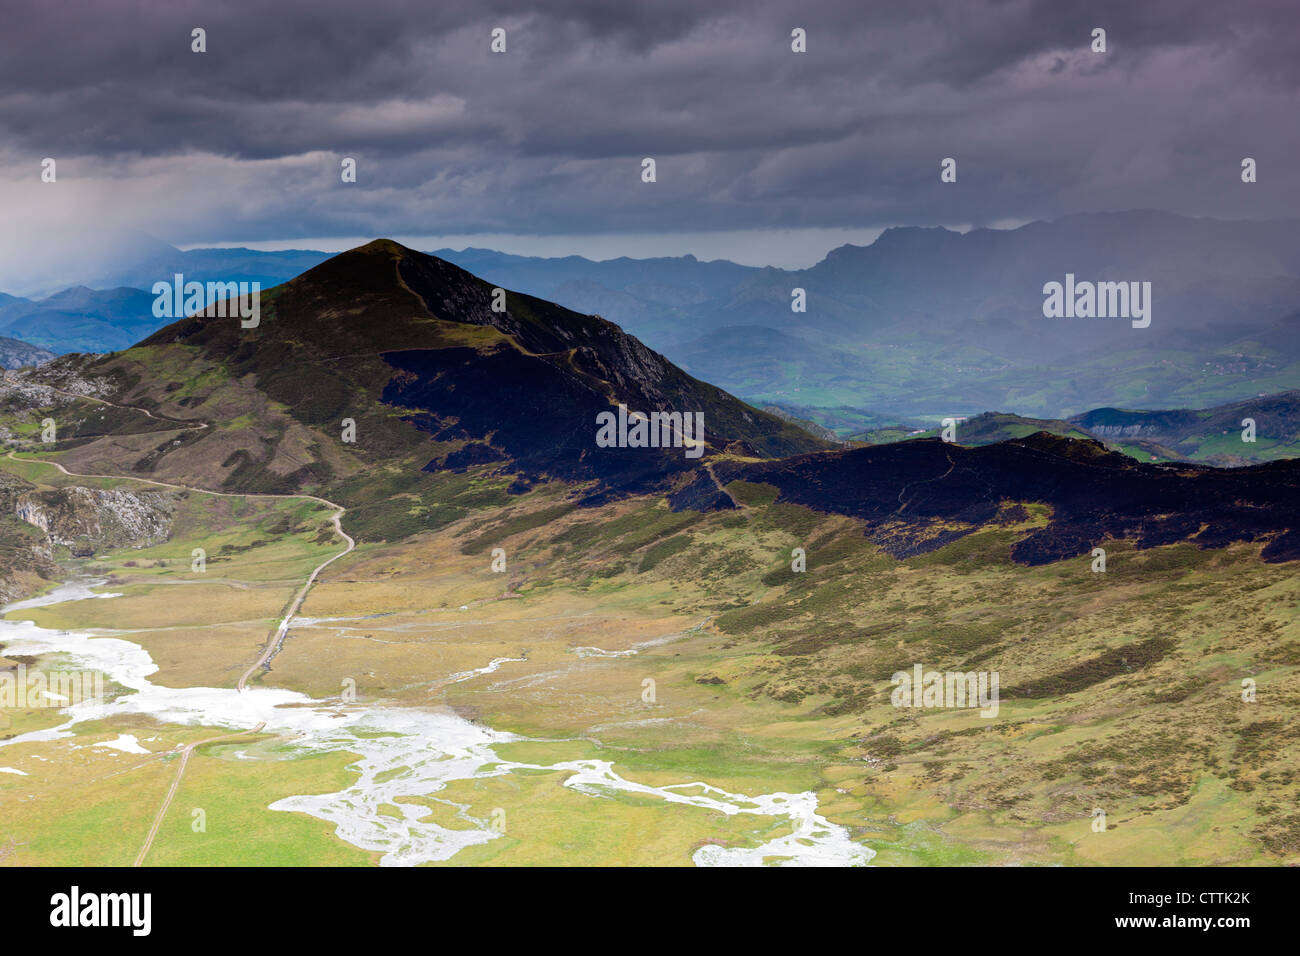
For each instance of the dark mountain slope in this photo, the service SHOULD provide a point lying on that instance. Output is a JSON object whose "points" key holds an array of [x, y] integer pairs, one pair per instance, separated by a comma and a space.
{"points": [[905, 492]]}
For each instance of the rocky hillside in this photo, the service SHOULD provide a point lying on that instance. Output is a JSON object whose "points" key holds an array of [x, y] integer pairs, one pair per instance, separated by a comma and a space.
{"points": [[15, 353], [39, 524]]}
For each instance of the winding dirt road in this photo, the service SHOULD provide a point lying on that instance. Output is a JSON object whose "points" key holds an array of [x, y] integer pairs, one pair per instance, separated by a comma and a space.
{"points": [[336, 519], [276, 639], [274, 644]]}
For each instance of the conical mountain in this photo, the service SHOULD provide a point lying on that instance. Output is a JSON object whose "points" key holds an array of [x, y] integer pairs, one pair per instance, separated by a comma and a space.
{"points": [[417, 352]]}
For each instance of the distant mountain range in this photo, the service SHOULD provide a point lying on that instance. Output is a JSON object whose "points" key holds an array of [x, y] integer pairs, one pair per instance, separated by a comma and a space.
{"points": [[84, 319], [922, 324], [925, 323], [80, 319]]}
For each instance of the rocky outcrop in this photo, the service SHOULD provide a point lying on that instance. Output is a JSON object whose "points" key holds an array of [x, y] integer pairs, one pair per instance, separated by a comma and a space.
{"points": [[33, 513], [16, 354], [67, 373], [91, 519], [36, 523]]}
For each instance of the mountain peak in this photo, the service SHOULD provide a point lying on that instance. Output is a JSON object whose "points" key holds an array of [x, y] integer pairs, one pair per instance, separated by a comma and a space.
{"points": [[386, 246], [382, 335]]}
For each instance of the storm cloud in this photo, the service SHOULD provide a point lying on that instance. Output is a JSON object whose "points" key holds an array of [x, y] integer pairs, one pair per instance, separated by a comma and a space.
{"points": [[244, 142]]}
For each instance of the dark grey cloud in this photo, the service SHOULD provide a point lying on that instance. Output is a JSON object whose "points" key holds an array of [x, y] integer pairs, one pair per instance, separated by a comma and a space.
{"points": [[243, 142]]}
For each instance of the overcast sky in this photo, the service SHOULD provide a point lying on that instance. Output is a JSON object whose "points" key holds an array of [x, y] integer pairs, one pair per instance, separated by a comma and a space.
{"points": [[763, 155]]}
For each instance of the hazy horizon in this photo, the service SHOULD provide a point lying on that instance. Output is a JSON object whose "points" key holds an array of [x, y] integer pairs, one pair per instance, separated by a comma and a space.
{"points": [[752, 248]]}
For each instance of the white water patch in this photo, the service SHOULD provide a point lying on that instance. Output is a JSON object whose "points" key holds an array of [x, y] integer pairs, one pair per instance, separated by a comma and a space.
{"points": [[401, 753], [815, 841], [72, 591], [21, 773], [491, 668], [125, 743], [636, 648]]}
